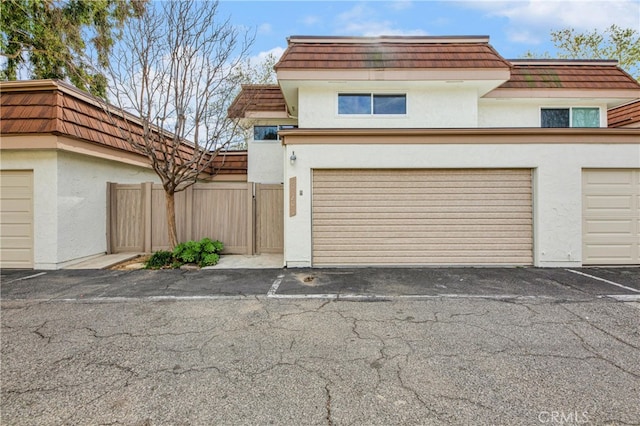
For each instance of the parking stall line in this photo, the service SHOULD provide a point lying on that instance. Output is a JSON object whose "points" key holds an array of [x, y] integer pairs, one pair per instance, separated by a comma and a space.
{"points": [[275, 285], [604, 280]]}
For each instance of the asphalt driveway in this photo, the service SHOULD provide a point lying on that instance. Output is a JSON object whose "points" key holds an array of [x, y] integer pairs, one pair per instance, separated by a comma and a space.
{"points": [[520, 346], [363, 283]]}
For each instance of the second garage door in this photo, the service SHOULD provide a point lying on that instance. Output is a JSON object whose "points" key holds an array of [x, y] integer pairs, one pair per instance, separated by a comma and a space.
{"points": [[422, 217], [611, 217], [16, 219]]}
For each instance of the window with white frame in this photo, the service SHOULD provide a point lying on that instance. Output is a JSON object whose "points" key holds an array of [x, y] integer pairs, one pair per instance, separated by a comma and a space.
{"points": [[372, 104], [570, 117], [269, 133]]}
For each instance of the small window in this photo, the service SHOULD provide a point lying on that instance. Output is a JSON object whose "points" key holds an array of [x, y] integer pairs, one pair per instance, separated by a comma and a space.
{"points": [[367, 104], [354, 104], [389, 104], [585, 117], [555, 117], [570, 117], [265, 133]]}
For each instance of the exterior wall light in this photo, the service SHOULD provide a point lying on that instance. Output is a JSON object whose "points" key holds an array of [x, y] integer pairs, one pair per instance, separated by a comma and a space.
{"points": [[293, 157]]}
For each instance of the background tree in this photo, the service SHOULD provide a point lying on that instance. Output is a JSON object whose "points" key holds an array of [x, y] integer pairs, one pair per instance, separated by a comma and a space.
{"points": [[48, 38], [176, 69], [615, 42]]}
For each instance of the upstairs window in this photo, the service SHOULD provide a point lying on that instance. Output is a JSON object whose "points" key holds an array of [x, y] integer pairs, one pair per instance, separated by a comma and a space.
{"points": [[570, 117], [265, 133], [270, 133], [376, 104]]}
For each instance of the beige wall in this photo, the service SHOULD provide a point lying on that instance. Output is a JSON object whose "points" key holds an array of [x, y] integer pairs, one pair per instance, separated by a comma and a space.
{"points": [[69, 200], [557, 177]]}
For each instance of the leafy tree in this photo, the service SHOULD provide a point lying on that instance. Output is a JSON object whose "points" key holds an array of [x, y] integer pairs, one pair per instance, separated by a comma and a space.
{"points": [[57, 39], [176, 70], [615, 42]]}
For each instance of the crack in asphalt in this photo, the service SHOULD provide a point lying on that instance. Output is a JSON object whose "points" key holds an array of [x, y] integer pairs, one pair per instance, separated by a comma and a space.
{"points": [[388, 356]]}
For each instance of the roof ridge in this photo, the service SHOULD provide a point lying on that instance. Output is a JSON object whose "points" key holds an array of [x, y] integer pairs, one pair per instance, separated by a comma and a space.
{"points": [[315, 39]]}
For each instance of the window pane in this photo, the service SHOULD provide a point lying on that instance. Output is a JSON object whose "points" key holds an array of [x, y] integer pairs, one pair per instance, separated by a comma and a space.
{"points": [[586, 117], [555, 117], [265, 133], [354, 104], [389, 104]]}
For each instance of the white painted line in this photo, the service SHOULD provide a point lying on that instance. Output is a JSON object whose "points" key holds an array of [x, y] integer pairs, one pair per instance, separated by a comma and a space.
{"points": [[133, 299], [335, 296], [26, 278], [604, 281], [275, 285], [625, 297]]}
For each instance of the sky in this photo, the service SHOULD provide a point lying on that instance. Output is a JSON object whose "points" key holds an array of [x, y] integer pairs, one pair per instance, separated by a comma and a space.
{"points": [[514, 27]]}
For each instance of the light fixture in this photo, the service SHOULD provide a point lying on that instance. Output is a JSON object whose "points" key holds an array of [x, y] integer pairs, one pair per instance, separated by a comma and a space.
{"points": [[293, 157]]}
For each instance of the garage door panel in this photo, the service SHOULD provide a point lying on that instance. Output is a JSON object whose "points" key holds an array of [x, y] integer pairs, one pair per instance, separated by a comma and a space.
{"points": [[611, 216], [422, 217], [450, 258], [610, 202], [609, 227], [16, 219]]}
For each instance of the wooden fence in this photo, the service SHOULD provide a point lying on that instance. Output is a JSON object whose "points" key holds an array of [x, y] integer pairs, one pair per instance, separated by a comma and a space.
{"points": [[246, 217]]}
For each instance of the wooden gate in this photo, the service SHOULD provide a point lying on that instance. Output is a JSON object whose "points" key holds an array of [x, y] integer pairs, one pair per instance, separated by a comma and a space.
{"points": [[246, 217]]}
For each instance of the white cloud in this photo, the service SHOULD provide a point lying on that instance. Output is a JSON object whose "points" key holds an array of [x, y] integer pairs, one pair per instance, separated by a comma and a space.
{"points": [[260, 57], [363, 21], [311, 20], [265, 28], [401, 4], [531, 20]]}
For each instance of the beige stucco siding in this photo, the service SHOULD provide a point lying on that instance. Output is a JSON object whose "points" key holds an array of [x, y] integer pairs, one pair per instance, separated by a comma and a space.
{"points": [[69, 201], [557, 184]]}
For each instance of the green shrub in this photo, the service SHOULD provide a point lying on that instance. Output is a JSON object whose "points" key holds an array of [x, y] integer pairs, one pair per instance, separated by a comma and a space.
{"points": [[203, 253], [159, 259]]}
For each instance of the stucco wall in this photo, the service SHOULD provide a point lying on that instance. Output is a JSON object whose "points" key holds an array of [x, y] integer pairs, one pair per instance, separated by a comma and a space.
{"points": [[265, 162], [426, 108], [82, 201], [45, 200], [70, 201], [526, 113], [557, 184]]}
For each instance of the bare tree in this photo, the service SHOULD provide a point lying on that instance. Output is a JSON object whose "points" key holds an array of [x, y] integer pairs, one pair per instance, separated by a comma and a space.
{"points": [[176, 69]]}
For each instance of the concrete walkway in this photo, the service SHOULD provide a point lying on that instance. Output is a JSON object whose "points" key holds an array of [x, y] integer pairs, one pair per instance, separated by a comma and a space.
{"points": [[227, 261], [104, 261], [258, 261]]}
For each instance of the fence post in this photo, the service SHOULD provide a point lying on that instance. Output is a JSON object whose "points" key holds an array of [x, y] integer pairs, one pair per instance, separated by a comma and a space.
{"points": [[251, 214], [146, 188], [111, 215], [188, 213]]}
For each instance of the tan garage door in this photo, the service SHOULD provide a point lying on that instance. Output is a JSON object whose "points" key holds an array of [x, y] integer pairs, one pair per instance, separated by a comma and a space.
{"points": [[611, 217], [16, 219], [422, 217]]}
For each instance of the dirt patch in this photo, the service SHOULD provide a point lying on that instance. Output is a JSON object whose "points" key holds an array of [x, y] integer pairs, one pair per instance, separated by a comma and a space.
{"points": [[308, 279], [135, 263]]}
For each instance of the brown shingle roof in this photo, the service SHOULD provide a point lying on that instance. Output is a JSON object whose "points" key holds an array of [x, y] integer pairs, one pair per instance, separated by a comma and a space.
{"points": [[257, 98], [625, 115], [389, 52], [568, 75], [53, 107]]}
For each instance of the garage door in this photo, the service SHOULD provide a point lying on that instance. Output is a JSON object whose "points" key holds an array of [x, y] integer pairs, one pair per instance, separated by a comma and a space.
{"points": [[422, 217], [611, 217], [16, 219]]}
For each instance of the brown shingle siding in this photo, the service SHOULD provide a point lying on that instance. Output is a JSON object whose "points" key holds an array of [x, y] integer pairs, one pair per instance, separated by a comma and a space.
{"points": [[569, 76], [390, 54], [56, 108], [257, 98], [625, 115]]}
